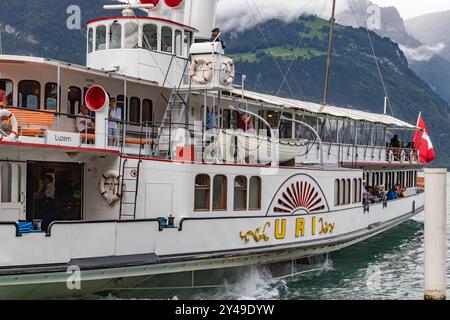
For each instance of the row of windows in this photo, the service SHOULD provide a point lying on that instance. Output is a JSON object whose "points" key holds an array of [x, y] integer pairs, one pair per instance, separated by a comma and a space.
{"points": [[130, 35], [406, 178], [247, 193], [347, 191], [29, 97]]}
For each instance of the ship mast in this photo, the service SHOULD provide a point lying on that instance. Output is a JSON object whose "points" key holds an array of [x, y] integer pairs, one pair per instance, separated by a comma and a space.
{"points": [[330, 52]]}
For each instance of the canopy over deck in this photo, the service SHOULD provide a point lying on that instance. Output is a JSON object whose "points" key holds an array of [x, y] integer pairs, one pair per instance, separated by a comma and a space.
{"points": [[325, 110]]}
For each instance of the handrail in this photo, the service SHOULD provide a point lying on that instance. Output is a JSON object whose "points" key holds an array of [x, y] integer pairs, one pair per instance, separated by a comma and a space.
{"points": [[314, 131]]}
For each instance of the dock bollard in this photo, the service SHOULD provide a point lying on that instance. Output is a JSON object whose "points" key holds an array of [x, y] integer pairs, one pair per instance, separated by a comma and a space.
{"points": [[435, 234]]}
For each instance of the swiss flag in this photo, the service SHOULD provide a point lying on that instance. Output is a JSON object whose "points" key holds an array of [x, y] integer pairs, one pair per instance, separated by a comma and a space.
{"points": [[423, 143]]}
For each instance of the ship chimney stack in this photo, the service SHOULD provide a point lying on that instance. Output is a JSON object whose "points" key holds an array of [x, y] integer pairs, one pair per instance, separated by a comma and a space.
{"points": [[201, 14], [176, 8]]}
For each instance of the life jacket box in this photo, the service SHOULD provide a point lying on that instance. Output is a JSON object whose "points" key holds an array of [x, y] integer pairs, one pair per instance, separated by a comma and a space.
{"points": [[210, 69]]}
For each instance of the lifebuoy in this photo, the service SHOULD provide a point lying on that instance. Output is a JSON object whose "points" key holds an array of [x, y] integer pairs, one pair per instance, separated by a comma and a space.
{"points": [[194, 68], [111, 198], [227, 72], [4, 113]]}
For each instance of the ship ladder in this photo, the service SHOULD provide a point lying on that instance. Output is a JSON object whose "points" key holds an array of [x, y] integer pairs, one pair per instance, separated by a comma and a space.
{"points": [[130, 188]]}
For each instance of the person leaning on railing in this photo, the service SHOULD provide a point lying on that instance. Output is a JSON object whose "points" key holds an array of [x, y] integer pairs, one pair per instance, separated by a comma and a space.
{"points": [[3, 99], [114, 117], [84, 124]]}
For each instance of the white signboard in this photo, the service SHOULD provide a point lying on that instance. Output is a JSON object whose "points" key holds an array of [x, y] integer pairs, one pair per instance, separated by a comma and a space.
{"points": [[67, 139]]}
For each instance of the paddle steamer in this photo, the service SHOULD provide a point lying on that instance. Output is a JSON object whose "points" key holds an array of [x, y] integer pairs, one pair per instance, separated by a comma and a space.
{"points": [[181, 187]]}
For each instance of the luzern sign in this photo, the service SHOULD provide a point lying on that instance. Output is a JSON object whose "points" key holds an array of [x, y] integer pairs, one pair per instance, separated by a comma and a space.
{"points": [[63, 138]]}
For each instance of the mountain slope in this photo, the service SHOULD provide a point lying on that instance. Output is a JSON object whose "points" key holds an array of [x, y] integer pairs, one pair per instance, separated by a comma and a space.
{"points": [[354, 78]]}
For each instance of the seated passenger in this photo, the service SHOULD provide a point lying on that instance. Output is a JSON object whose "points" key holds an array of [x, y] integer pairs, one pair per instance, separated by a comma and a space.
{"points": [[85, 125], [400, 190], [215, 37], [392, 194]]}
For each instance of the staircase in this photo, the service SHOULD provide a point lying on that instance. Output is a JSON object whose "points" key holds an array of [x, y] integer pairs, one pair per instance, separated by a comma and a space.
{"points": [[129, 190]]}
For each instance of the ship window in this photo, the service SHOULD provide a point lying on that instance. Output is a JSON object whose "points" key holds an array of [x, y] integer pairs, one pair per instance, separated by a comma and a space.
{"points": [[337, 189], [349, 191], [166, 39], [6, 182], [115, 36], [355, 190], [255, 193], [134, 112], [29, 94], [131, 35], [51, 96], [7, 86], [202, 192], [121, 105], [90, 40], [178, 42], [147, 110], [150, 37], [100, 39], [220, 193], [188, 40], [73, 100], [240, 193], [343, 190]]}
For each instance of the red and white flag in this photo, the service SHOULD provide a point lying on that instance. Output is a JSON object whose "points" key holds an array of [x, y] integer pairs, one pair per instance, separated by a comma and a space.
{"points": [[423, 143]]}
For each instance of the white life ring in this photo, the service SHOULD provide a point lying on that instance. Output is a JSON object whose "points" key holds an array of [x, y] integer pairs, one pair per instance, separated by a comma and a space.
{"points": [[391, 156], [194, 68], [4, 113], [111, 198], [227, 72]]}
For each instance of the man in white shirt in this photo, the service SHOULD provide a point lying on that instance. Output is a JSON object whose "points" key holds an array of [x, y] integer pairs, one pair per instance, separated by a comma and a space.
{"points": [[49, 210]]}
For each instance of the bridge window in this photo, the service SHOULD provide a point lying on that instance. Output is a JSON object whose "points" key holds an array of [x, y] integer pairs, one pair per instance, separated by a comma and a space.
{"points": [[202, 192], [131, 35], [73, 100], [29, 94], [348, 189], [188, 40], [178, 42], [255, 193], [166, 39], [240, 193], [220, 193], [134, 113], [147, 110], [343, 191], [51, 96], [7, 86], [121, 105], [100, 39], [115, 36], [90, 40], [150, 37]]}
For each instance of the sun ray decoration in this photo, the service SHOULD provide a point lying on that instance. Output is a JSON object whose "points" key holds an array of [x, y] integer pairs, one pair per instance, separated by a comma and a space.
{"points": [[299, 195]]}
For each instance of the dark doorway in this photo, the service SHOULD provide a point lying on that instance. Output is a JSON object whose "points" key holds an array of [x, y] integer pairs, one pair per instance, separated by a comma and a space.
{"points": [[67, 179]]}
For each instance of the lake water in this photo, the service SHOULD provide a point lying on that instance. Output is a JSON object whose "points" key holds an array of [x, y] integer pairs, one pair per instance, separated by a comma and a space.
{"points": [[389, 266]]}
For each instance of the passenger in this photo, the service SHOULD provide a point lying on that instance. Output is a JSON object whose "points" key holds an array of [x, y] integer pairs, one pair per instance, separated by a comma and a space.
{"points": [[49, 213], [3, 99], [113, 127], [395, 142], [400, 190], [245, 123], [215, 37], [212, 118], [392, 194], [85, 125]]}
